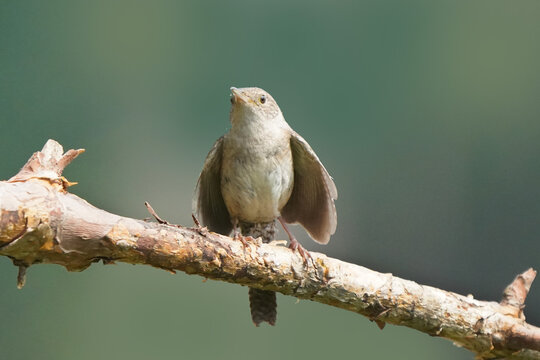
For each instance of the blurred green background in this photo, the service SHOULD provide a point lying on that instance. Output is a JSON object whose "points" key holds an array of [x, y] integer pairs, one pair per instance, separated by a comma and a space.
{"points": [[426, 113]]}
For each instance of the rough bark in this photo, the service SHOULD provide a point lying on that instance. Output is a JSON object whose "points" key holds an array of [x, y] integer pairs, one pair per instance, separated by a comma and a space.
{"points": [[40, 222]]}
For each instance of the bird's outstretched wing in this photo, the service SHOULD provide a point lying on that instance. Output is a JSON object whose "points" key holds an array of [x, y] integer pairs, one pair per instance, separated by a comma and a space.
{"points": [[210, 205], [312, 200]]}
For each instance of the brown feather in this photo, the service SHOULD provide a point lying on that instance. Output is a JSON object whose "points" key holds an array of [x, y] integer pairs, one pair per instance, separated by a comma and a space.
{"points": [[210, 204], [312, 200]]}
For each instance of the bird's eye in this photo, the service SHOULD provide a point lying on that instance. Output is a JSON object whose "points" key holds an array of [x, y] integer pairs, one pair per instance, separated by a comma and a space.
{"points": [[232, 99], [262, 99]]}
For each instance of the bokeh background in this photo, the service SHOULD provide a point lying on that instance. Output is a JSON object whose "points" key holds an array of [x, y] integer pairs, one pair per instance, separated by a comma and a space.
{"points": [[426, 113]]}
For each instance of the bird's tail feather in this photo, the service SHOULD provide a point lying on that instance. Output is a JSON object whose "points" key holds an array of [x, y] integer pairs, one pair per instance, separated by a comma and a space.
{"points": [[262, 303], [263, 306]]}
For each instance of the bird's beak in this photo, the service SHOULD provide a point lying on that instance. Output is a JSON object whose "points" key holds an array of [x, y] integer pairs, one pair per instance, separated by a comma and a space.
{"points": [[238, 96]]}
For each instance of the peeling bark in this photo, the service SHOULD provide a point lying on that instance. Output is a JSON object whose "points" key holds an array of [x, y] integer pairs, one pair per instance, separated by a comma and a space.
{"points": [[40, 222]]}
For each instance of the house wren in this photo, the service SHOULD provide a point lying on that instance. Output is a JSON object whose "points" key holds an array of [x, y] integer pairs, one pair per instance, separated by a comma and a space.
{"points": [[259, 172]]}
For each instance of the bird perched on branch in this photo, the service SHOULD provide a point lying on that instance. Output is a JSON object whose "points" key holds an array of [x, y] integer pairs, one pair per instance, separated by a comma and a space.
{"points": [[259, 172]]}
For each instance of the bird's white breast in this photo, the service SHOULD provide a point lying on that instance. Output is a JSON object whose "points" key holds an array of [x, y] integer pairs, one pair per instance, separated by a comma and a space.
{"points": [[257, 173]]}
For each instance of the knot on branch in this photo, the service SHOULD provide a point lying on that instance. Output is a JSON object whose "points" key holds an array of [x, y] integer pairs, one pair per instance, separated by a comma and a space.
{"points": [[48, 164]]}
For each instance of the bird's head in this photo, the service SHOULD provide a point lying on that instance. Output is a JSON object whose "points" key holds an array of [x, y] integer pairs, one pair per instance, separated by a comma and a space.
{"points": [[252, 104]]}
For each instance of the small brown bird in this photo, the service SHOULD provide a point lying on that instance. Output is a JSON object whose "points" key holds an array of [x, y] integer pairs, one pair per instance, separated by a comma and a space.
{"points": [[260, 171]]}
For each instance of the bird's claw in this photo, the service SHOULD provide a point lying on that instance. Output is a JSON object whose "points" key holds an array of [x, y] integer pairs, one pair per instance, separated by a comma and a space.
{"points": [[295, 246], [243, 239]]}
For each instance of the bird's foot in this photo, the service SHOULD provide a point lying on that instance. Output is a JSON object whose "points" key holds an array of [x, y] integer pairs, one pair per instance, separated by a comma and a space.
{"points": [[294, 245], [243, 239]]}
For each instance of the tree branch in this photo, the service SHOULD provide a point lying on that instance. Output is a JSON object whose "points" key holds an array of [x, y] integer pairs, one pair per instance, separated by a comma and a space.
{"points": [[40, 222]]}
